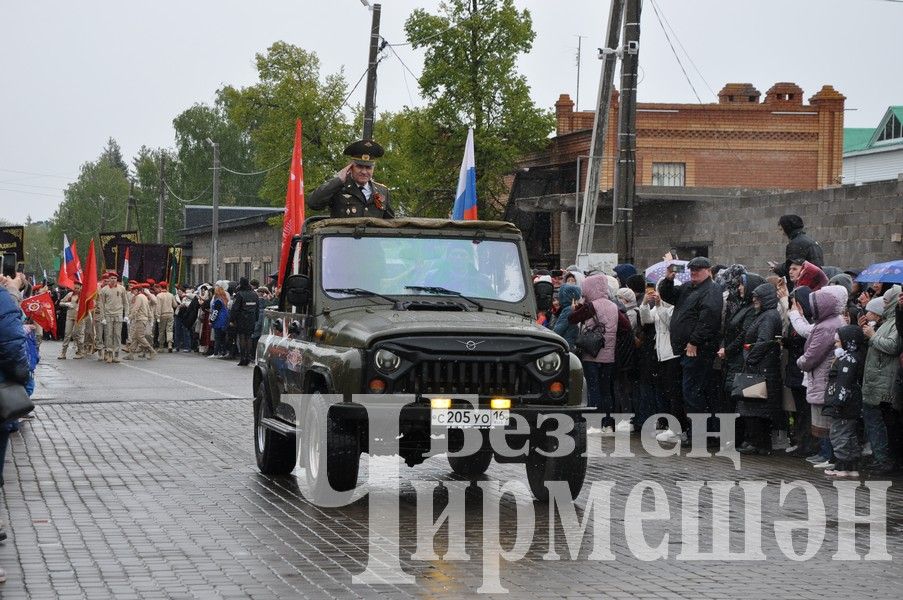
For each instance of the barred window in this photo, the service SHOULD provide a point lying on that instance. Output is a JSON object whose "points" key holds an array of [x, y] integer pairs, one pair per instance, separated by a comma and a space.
{"points": [[668, 174]]}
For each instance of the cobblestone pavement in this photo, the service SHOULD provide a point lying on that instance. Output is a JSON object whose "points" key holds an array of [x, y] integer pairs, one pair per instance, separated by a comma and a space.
{"points": [[130, 483]]}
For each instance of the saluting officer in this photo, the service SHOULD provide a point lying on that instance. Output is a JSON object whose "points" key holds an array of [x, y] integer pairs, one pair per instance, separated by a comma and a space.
{"points": [[352, 192]]}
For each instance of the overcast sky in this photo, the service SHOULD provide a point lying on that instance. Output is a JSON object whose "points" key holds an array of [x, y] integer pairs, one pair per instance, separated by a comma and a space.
{"points": [[75, 73]]}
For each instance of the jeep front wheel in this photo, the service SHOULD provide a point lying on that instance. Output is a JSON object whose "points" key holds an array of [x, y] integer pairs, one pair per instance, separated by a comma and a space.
{"points": [[331, 452], [570, 468], [473, 465], [275, 453]]}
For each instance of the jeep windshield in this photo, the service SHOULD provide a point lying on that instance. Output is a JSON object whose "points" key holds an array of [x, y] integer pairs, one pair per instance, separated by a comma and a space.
{"points": [[490, 269]]}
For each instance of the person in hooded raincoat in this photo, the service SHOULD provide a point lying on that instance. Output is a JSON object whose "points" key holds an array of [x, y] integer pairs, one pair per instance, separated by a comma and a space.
{"points": [[762, 356]]}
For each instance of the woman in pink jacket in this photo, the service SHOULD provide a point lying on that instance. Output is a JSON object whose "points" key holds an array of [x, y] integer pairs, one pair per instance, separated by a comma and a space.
{"points": [[827, 305], [598, 370]]}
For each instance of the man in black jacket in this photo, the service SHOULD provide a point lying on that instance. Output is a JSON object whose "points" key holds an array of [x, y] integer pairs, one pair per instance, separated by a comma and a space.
{"points": [[695, 327], [799, 247], [244, 312]]}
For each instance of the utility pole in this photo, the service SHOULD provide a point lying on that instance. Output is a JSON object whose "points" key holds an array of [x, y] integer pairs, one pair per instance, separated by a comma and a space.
{"points": [[600, 127], [579, 53], [625, 169], [214, 229], [162, 198], [130, 208], [370, 100]]}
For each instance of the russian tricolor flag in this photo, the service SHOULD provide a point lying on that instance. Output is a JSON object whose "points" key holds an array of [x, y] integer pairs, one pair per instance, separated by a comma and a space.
{"points": [[466, 195], [70, 267]]}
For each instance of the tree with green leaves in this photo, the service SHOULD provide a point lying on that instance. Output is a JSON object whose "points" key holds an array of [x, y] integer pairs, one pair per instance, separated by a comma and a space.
{"points": [[470, 79], [94, 202], [290, 86], [190, 175]]}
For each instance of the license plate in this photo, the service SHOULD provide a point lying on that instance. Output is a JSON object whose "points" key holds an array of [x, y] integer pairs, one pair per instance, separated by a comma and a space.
{"points": [[469, 418]]}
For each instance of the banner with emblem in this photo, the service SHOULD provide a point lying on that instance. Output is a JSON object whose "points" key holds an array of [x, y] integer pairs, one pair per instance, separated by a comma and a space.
{"points": [[12, 241], [41, 310], [110, 243]]}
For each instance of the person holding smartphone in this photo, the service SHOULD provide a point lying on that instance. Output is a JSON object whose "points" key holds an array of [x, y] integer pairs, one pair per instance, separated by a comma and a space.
{"points": [[694, 329]]}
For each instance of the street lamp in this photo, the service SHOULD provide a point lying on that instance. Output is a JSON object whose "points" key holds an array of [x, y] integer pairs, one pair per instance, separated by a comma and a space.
{"points": [[214, 226]]}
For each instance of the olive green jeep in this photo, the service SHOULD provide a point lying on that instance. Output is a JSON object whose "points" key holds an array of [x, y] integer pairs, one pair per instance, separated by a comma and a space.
{"points": [[441, 313]]}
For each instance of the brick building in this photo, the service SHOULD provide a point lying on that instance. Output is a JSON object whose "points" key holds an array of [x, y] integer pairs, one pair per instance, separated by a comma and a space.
{"points": [[739, 146]]}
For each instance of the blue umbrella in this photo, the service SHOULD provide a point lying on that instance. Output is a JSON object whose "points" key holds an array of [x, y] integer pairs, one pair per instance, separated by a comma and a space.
{"points": [[888, 272], [658, 270]]}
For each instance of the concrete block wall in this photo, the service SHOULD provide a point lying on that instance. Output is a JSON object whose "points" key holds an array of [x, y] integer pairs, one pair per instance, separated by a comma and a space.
{"points": [[854, 225]]}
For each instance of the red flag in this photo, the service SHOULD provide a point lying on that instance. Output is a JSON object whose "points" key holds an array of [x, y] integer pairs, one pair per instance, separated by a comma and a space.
{"points": [[40, 309], [88, 296], [294, 203], [63, 279]]}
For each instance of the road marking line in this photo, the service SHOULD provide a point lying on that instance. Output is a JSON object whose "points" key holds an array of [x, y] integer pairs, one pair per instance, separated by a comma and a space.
{"points": [[223, 394]]}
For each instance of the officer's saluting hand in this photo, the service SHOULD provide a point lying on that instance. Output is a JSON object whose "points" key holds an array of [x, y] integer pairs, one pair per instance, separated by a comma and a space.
{"points": [[352, 192]]}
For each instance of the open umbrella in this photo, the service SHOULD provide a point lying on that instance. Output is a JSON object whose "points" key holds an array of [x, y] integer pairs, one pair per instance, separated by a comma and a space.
{"points": [[887, 272], [658, 270]]}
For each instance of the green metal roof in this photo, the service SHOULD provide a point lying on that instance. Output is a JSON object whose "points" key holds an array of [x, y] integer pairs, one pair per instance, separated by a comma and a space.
{"points": [[856, 138]]}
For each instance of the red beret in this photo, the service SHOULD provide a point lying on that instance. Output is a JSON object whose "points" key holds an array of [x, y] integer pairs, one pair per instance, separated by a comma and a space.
{"points": [[150, 281], [164, 284]]}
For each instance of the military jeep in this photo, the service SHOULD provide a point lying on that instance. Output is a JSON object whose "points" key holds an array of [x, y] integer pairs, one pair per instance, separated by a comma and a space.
{"points": [[439, 312]]}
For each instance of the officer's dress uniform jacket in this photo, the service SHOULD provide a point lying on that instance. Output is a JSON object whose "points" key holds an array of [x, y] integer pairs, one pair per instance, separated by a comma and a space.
{"points": [[346, 199]]}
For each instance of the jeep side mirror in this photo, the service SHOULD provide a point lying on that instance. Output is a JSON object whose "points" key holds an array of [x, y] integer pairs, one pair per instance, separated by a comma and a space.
{"points": [[297, 290]]}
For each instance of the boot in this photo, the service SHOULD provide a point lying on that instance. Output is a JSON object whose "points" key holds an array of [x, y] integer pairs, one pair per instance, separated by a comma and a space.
{"points": [[108, 356], [115, 358], [128, 356], [79, 354], [62, 355], [101, 355], [151, 354], [169, 348]]}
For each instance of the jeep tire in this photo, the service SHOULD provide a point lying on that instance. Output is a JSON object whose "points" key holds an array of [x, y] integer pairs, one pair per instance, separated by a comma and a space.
{"points": [[570, 468], [330, 451], [275, 453], [472, 466]]}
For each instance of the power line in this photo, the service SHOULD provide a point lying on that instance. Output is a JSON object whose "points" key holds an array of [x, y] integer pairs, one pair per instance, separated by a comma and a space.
{"points": [[176, 196], [408, 69], [234, 172], [687, 54], [674, 50], [39, 174], [438, 33], [32, 193]]}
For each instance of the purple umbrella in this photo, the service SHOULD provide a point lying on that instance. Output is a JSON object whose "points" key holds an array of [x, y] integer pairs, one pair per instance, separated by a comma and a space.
{"points": [[658, 270], [888, 272]]}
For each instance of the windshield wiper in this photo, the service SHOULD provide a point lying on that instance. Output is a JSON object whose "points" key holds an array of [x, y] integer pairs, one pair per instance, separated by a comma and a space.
{"points": [[363, 293], [431, 289]]}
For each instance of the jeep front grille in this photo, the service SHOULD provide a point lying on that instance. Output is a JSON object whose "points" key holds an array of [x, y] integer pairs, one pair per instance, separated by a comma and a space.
{"points": [[467, 377]]}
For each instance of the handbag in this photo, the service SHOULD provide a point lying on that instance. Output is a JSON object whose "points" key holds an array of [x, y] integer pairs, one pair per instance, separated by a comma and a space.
{"points": [[14, 401], [749, 387], [590, 340]]}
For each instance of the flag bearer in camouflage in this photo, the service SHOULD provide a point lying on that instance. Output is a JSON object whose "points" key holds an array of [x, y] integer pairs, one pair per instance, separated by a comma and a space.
{"points": [[166, 305], [112, 308], [140, 314], [74, 331]]}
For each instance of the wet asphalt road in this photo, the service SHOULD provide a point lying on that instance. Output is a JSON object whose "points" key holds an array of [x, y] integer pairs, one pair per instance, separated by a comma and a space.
{"points": [[138, 481]]}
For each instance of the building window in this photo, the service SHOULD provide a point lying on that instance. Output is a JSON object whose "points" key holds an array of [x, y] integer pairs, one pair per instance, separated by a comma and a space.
{"points": [[668, 174], [267, 270], [246, 269], [232, 271], [893, 130]]}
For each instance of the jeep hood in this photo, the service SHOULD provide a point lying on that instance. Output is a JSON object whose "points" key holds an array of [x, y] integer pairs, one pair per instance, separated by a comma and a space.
{"points": [[361, 328]]}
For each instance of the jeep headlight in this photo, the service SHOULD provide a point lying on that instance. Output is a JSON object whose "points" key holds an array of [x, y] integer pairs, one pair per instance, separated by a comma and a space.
{"points": [[549, 364], [386, 361]]}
